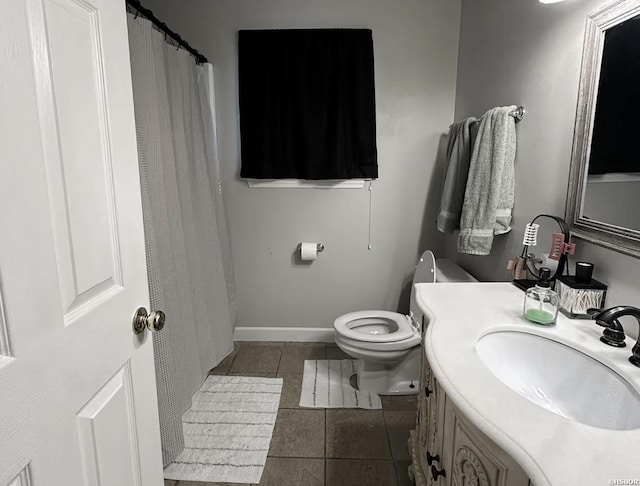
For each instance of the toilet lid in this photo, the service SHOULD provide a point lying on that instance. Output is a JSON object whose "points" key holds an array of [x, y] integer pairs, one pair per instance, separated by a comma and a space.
{"points": [[374, 326]]}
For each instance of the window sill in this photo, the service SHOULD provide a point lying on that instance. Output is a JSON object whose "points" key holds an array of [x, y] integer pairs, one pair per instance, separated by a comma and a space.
{"points": [[306, 184]]}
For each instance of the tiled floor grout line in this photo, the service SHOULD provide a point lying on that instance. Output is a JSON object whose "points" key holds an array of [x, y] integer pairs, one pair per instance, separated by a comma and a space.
{"points": [[376, 459], [233, 358], [386, 429], [325, 444], [294, 457], [279, 360], [326, 356]]}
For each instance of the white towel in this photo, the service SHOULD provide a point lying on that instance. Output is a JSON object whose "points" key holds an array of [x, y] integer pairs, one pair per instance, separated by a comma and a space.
{"points": [[455, 179], [489, 196]]}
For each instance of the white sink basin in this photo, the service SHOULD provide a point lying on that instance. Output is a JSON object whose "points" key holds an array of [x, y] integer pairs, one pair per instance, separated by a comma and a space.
{"points": [[561, 379]]}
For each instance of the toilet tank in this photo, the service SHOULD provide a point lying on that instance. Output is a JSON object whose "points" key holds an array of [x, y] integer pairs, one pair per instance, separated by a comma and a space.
{"points": [[448, 271], [432, 270]]}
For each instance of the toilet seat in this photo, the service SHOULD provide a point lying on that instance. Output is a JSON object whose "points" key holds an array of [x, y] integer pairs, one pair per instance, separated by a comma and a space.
{"points": [[374, 326]]}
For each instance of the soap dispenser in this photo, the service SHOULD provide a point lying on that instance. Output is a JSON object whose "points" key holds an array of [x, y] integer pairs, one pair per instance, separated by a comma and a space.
{"points": [[540, 302]]}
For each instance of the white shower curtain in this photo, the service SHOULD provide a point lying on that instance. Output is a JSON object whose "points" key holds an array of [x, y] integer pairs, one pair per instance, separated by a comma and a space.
{"points": [[188, 253], [207, 97]]}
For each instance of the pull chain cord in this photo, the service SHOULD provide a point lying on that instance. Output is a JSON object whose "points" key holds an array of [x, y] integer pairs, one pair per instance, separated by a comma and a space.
{"points": [[370, 204]]}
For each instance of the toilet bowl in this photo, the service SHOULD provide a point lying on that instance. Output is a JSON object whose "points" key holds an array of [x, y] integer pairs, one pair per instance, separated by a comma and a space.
{"points": [[387, 344]]}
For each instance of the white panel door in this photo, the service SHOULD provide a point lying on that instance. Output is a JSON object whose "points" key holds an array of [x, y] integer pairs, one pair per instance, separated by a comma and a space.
{"points": [[78, 400]]}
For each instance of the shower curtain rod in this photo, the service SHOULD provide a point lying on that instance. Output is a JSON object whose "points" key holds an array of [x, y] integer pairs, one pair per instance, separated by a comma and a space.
{"points": [[148, 14]]}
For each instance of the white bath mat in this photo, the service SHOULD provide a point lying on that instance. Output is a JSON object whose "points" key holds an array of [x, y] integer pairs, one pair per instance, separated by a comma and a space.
{"points": [[325, 384], [227, 430]]}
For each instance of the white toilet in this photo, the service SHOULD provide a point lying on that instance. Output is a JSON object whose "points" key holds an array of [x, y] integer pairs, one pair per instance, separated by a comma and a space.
{"points": [[387, 344]]}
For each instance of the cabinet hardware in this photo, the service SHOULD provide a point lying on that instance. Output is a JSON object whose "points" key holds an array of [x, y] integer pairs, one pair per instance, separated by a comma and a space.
{"points": [[431, 459], [435, 473], [427, 391]]}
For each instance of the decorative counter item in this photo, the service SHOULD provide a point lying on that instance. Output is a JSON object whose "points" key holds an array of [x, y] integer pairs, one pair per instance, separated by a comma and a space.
{"points": [[525, 269], [540, 302], [584, 271], [577, 296]]}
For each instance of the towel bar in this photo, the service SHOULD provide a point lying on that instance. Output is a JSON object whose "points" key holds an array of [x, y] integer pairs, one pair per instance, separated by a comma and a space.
{"points": [[518, 113]]}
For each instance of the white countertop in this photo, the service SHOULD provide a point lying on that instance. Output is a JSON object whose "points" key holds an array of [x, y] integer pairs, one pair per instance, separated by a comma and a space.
{"points": [[551, 449]]}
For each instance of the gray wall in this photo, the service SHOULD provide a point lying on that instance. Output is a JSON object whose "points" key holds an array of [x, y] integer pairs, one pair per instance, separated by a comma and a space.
{"points": [[525, 52], [416, 46]]}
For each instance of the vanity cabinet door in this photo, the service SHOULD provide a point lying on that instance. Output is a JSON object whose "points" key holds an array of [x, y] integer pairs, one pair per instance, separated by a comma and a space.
{"points": [[426, 441], [430, 422], [471, 458], [435, 415], [418, 441], [424, 401]]}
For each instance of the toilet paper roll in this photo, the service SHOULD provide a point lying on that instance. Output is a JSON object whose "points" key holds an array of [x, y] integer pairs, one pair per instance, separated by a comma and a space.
{"points": [[308, 251]]}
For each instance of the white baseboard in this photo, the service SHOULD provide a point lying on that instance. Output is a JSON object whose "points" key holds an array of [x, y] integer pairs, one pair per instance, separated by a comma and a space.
{"points": [[293, 334]]}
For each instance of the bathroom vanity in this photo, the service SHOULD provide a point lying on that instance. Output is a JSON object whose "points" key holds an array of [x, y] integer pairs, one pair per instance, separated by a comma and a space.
{"points": [[446, 448], [503, 402]]}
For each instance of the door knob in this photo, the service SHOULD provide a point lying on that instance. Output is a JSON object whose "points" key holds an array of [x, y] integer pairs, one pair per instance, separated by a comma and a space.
{"points": [[154, 320]]}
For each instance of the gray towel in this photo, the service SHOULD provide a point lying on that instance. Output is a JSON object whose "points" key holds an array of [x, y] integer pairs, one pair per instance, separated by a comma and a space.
{"points": [[489, 196], [461, 137]]}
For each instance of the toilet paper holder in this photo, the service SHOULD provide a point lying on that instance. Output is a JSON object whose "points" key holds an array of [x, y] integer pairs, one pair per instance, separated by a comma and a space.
{"points": [[319, 246]]}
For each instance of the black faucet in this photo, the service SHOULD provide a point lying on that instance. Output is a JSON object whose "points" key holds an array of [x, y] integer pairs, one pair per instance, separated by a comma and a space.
{"points": [[613, 335]]}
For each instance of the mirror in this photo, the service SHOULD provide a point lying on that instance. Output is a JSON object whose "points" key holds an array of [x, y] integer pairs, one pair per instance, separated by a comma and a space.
{"points": [[603, 200]]}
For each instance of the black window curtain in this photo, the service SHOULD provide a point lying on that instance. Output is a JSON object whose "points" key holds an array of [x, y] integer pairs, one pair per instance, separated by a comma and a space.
{"points": [[307, 104]]}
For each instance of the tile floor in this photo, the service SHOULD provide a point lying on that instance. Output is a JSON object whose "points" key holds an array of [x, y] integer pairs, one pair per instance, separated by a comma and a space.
{"points": [[317, 447]]}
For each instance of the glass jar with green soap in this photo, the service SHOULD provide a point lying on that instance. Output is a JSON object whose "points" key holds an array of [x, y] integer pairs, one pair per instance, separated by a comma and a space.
{"points": [[540, 302]]}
